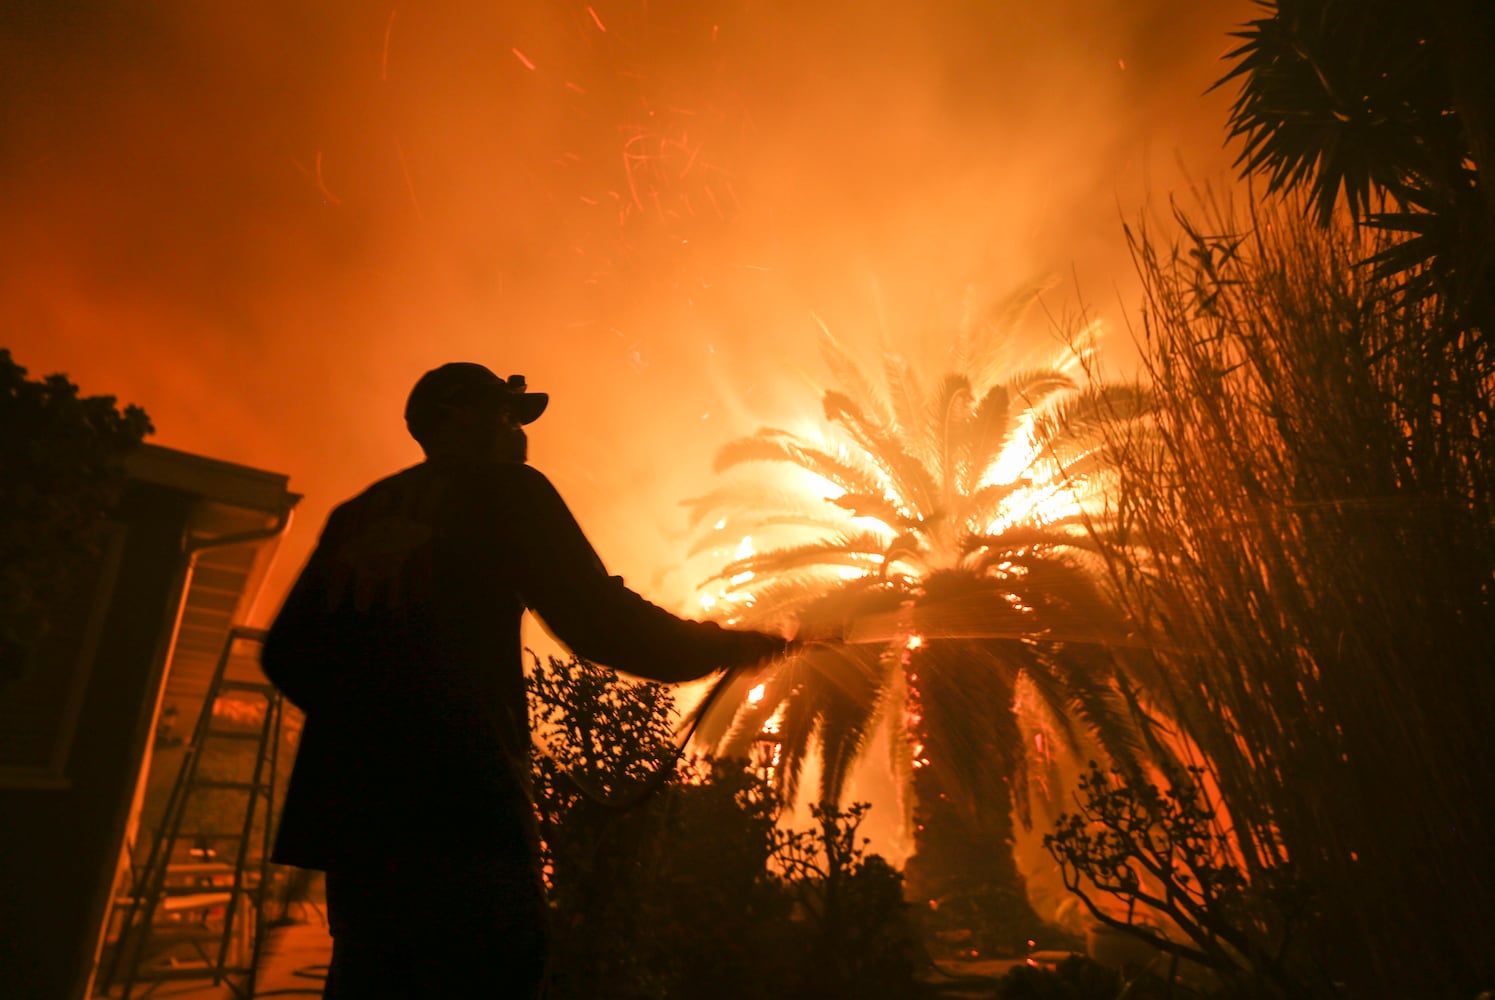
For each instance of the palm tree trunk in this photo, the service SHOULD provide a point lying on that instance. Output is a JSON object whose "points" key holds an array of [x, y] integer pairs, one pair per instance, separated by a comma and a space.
{"points": [[962, 874]]}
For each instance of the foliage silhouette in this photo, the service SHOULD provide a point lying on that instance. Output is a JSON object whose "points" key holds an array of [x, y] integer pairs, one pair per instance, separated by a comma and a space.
{"points": [[1165, 849], [1310, 532], [60, 476], [1384, 108], [696, 891]]}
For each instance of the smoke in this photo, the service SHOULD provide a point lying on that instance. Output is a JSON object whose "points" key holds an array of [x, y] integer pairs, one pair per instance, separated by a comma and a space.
{"points": [[262, 221]]}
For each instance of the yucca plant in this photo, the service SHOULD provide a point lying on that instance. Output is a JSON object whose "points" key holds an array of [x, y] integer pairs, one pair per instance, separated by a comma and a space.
{"points": [[935, 524], [1312, 555], [1382, 109]]}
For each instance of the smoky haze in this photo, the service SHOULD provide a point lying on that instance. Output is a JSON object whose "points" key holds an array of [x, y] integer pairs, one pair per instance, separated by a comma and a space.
{"points": [[262, 221]]}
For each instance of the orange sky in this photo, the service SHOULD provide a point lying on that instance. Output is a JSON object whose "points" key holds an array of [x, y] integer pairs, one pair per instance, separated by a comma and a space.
{"points": [[262, 221]]}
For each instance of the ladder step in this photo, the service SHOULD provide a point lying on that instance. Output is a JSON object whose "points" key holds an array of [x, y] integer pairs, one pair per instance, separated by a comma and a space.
{"points": [[257, 687], [240, 786], [188, 970], [232, 734], [189, 901]]}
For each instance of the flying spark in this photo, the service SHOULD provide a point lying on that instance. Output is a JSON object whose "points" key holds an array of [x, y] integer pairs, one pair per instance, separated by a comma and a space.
{"points": [[389, 27]]}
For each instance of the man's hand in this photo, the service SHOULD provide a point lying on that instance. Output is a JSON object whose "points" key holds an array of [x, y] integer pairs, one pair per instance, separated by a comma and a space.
{"points": [[818, 633]]}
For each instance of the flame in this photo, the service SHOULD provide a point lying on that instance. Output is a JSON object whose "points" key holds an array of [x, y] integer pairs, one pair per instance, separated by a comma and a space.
{"points": [[1042, 503], [1016, 457], [756, 694]]}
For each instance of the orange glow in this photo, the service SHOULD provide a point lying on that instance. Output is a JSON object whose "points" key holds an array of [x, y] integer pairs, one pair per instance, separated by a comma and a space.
{"points": [[264, 236]]}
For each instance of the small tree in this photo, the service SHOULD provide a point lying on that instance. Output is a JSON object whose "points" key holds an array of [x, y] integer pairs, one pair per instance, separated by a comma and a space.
{"points": [[59, 478], [1166, 850]]}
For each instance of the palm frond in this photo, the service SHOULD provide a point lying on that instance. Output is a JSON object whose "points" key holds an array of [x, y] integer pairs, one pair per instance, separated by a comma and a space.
{"points": [[909, 404], [1087, 416], [751, 501], [849, 710], [726, 722], [815, 596], [771, 445], [1095, 700], [950, 413], [1052, 699], [848, 375], [878, 507], [1035, 387], [984, 340], [722, 544], [1011, 543], [860, 551], [797, 724], [909, 479], [988, 434]]}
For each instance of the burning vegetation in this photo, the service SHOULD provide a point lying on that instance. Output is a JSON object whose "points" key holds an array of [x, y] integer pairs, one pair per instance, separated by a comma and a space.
{"points": [[936, 534]]}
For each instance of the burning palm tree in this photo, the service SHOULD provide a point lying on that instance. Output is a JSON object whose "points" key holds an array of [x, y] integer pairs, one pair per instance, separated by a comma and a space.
{"points": [[943, 531]]}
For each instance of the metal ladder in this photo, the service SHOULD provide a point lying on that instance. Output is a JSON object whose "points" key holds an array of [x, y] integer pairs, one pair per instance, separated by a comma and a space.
{"points": [[207, 916]]}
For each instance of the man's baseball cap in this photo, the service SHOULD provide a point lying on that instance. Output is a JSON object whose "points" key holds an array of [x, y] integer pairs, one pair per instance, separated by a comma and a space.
{"points": [[462, 383]]}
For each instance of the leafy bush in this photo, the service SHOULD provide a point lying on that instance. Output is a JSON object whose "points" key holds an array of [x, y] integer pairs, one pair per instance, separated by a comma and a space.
{"points": [[694, 891], [856, 939], [59, 478]]}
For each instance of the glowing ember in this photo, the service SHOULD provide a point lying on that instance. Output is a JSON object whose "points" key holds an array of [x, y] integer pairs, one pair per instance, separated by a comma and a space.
{"points": [[756, 694]]}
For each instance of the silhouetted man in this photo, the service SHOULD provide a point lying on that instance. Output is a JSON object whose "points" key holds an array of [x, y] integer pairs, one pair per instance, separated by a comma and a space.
{"points": [[400, 641]]}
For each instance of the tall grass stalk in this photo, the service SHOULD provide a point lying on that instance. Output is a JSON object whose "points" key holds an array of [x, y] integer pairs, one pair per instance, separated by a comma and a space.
{"points": [[1307, 534]]}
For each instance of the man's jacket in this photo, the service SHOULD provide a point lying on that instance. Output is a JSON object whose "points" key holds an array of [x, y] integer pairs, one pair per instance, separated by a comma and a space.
{"points": [[400, 641]]}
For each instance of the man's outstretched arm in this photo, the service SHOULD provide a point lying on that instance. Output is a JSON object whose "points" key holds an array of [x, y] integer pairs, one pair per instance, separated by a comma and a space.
{"points": [[598, 617]]}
